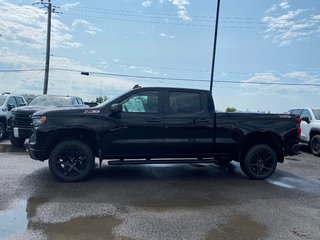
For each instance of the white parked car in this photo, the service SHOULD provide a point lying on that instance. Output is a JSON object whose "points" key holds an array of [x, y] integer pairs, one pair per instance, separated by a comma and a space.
{"points": [[310, 127]]}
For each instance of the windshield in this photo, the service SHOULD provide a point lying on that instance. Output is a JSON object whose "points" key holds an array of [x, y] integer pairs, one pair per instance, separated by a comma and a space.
{"points": [[48, 101], [316, 113], [2, 99]]}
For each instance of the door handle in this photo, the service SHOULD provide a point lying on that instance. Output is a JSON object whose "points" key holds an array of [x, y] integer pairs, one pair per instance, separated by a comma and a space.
{"points": [[154, 120], [202, 120]]}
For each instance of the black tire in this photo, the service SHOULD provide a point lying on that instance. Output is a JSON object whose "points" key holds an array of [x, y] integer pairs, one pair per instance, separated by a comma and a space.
{"points": [[2, 131], [315, 145], [17, 142], [260, 162], [71, 161]]}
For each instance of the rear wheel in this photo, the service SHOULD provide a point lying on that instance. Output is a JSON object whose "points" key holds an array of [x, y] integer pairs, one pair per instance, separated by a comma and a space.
{"points": [[17, 142], [71, 161], [260, 162], [2, 131], [315, 145]]}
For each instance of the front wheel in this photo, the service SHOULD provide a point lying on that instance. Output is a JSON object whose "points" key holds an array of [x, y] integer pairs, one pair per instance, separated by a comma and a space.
{"points": [[2, 131], [260, 162], [315, 145], [71, 161], [17, 142]]}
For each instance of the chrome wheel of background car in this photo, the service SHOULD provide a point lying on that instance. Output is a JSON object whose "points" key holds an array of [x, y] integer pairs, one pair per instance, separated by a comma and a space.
{"points": [[260, 162], [71, 161], [315, 145]]}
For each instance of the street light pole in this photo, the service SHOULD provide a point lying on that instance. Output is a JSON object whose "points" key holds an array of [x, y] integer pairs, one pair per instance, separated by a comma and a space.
{"points": [[215, 44]]}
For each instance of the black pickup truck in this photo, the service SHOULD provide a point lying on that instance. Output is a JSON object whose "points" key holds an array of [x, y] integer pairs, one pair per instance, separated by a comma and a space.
{"points": [[161, 125]]}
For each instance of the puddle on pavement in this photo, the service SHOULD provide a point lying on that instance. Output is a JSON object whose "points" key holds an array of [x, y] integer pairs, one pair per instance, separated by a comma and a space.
{"points": [[280, 184], [190, 201], [98, 228], [16, 220], [13, 221], [239, 228]]}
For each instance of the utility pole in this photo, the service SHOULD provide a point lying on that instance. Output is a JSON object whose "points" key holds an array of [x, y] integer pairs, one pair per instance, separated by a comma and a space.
{"points": [[50, 9], [46, 70], [215, 44]]}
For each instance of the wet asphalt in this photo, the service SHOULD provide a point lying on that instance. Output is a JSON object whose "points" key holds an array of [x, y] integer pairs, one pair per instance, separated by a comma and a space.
{"points": [[193, 201]]}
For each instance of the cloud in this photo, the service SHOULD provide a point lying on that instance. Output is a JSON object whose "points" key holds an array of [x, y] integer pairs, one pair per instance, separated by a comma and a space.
{"points": [[182, 8], [294, 25], [70, 5], [89, 27], [146, 4], [26, 25], [284, 5], [164, 35], [272, 8]]}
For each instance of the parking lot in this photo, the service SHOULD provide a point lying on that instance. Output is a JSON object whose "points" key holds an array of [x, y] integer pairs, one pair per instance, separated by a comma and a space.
{"points": [[195, 201]]}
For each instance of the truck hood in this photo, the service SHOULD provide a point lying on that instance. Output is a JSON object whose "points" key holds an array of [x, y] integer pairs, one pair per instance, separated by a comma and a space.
{"points": [[62, 111], [41, 109]]}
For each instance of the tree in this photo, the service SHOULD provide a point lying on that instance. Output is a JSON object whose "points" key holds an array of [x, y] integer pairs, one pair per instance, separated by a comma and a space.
{"points": [[231, 109], [101, 99]]}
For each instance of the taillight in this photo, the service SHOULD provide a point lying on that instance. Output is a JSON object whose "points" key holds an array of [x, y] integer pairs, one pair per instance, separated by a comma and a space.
{"points": [[298, 121]]}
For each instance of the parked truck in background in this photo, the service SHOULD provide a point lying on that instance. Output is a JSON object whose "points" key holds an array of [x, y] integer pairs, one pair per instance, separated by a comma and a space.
{"points": [[19, 122], [310, 127], [161, 125]]}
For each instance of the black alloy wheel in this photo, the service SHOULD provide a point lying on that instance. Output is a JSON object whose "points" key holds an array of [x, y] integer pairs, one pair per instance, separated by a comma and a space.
{"points": [[315, 145], [71, 161], [260, 162]]}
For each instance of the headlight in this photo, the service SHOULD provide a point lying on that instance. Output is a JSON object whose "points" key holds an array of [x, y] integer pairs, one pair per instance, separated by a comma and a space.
{"points": [[39, 120]]}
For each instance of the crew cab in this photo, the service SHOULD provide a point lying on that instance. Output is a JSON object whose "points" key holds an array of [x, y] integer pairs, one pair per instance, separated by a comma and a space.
{"points": [[310, 127], [160, 125]]}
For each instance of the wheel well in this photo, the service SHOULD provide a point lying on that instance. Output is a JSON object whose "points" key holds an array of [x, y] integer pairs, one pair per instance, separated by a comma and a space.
{"points": [[313, 133], [271, 139], [3, 120], [84, 135]]}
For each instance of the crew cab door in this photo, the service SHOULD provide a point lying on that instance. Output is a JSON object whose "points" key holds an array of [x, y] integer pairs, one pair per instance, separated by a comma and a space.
{"points": [[188, 125], [138, 129]]}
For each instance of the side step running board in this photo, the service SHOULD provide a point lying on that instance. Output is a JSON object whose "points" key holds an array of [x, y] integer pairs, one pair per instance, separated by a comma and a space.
{"points": [[135, 162]]}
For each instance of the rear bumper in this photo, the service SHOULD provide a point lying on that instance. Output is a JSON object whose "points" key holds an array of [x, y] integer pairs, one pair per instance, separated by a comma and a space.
{"points": [[295, 149]]}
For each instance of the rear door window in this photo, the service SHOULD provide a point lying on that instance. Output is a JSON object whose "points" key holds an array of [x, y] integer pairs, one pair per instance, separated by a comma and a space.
{"points": [[184, 102]]}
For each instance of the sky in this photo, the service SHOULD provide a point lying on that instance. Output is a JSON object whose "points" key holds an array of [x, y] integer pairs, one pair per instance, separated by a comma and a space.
{"points": [[267, 55]]}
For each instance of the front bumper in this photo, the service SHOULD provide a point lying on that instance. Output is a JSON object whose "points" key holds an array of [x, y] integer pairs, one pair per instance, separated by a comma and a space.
{"points": [[35, 151], [20, 132]]}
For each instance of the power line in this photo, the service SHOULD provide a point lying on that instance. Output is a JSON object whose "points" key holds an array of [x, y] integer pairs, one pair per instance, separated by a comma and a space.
{"points": [[165, 78], [192, 24], [20, 70], [186, 79]]}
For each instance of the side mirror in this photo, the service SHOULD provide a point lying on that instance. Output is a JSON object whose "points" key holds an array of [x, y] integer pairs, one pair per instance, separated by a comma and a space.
{"points": [[116, 108], [22, 104], [306, 119], [10, 106]]}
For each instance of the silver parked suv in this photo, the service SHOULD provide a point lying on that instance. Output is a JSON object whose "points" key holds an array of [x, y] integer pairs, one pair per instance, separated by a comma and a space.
{"points": [[7, 102]]}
